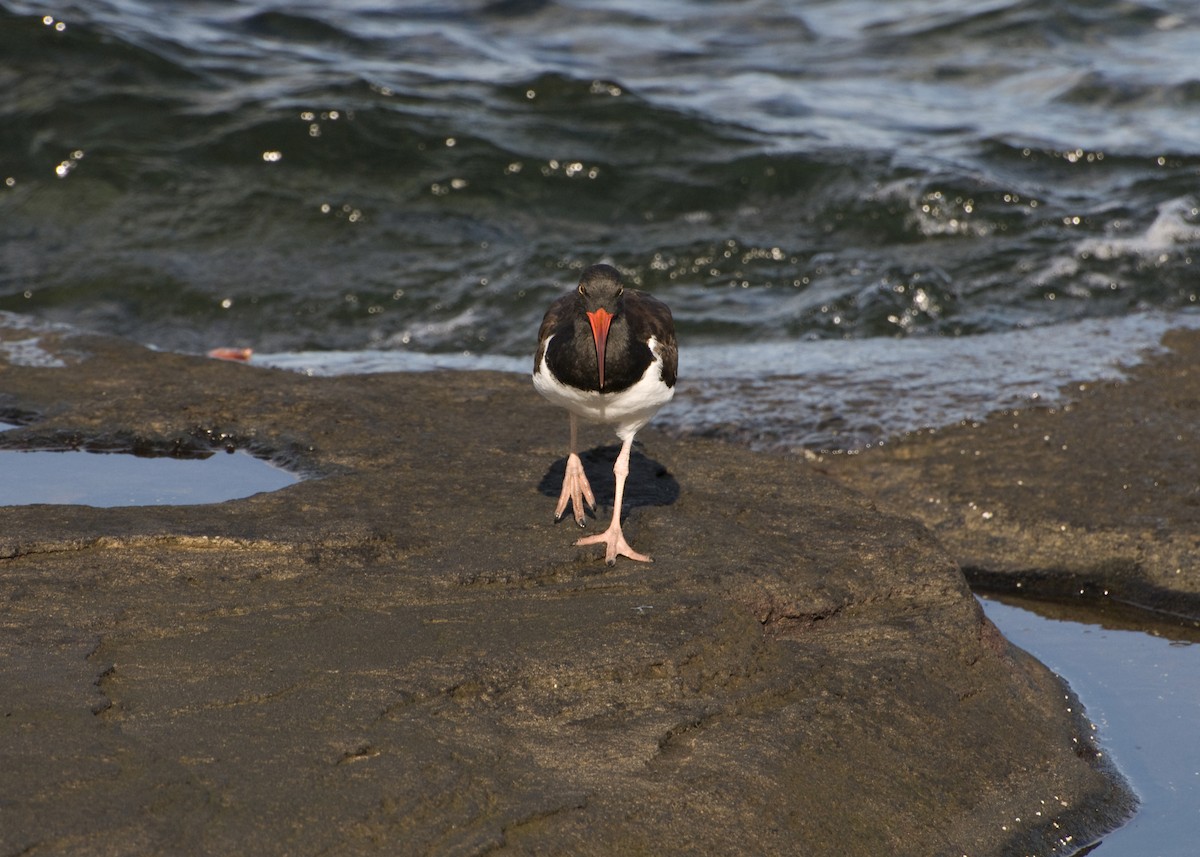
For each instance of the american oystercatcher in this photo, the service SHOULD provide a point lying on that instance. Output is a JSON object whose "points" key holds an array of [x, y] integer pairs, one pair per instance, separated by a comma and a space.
{"points": [[608, 355]]}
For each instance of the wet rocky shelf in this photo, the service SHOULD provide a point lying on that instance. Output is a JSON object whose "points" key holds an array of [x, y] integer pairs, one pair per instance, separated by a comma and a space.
{"points": [[1094, 499], [402, 654]]}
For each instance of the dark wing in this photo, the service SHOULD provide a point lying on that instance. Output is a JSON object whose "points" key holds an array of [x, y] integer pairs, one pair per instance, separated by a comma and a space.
{"points": [[654, 319], [555, 317]]}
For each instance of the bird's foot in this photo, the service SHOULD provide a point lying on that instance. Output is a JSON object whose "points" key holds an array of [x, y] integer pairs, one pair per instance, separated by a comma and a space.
{"points": [[614, 545], [575, 489]]}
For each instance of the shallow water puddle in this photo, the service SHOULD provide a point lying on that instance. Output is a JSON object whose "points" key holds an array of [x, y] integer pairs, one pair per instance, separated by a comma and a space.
{"points": [[114, 479], [1141, 688]]}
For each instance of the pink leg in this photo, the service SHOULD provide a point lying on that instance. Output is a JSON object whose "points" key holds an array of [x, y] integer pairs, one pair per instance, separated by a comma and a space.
{"points": [[575, 487], [612, 538]]}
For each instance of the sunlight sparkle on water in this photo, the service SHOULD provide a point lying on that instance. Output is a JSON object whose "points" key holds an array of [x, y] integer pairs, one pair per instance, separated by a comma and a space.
{"points": [[65, 167]]}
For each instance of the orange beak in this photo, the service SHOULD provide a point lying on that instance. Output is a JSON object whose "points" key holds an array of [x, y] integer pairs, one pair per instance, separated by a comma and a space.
{"points": [[600, 320]]}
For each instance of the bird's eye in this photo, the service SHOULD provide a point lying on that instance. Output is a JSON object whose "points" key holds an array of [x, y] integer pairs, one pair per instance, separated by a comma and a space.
{"points": [[620, 291], [581, 291]]}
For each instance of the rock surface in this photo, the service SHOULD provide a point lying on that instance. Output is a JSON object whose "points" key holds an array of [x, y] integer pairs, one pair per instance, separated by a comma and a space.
{"points": [[403, 655], [1097, 498]]}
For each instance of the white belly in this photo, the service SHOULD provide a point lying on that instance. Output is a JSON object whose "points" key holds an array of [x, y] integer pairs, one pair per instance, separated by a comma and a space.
{"points": [[627, 411]]}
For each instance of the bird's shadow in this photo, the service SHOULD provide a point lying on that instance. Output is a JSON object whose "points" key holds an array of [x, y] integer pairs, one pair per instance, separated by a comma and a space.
{"points": [[649, 482]]}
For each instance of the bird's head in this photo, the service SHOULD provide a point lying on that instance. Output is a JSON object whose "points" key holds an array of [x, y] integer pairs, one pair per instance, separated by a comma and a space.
{"points": [[600, 291]]}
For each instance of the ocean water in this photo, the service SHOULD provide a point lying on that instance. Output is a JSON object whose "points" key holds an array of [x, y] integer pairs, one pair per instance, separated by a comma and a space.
{"points": [[866, 216], [839, 184]]}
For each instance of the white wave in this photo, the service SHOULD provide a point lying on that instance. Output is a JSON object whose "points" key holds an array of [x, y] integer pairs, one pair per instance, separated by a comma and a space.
{"points": [[1170, 230]]}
